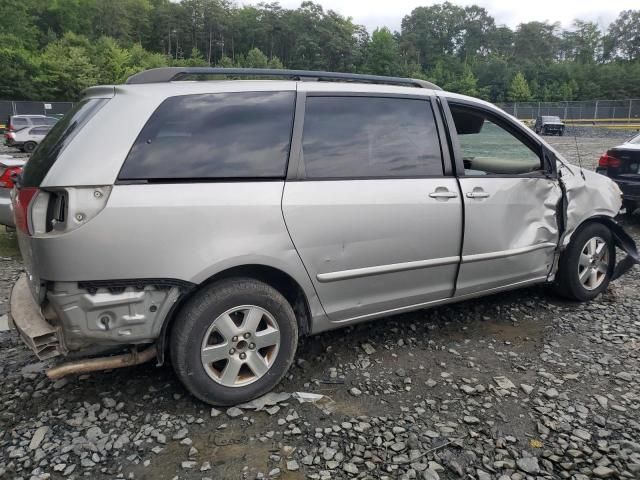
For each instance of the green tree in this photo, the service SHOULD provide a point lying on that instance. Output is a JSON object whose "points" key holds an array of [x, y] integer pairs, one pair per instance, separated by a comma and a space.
{"points": [[225, 62], [18, 69], [274, 62], [465, 83], [583, 43], [623, 39], [430, 34], [66, 69], [382, 54], [256, 59], [519, 89], [537, 42]]}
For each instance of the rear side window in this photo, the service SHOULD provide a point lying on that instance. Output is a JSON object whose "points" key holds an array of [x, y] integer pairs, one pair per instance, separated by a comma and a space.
{"points": [[19, 122], [58, 138], [364, 137], [214, 136]]}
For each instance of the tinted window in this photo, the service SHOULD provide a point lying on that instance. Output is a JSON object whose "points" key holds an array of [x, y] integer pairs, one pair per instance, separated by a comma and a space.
{"points": [[370, 137], [222, 135], [19, 122], [58, 138], [40, 130], [490, 148]]}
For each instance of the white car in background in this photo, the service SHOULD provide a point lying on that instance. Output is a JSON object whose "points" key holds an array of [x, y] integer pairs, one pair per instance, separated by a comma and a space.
{"points": [[27, 139]]}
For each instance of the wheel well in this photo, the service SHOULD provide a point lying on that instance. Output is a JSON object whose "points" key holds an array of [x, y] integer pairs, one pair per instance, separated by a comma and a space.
{"points": [[602, 220], [284, 283]]}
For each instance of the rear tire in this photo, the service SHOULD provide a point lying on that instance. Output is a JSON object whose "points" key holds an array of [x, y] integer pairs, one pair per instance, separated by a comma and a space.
{"points": [[29, 147], [212, 341], [587, 264]]}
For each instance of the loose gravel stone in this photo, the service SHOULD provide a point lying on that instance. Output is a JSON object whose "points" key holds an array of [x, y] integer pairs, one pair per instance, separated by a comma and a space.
{"points": [[234, 412], [528, 465]]}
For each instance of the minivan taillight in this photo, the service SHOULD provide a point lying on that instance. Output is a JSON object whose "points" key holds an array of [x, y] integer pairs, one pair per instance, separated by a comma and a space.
{"points": [[22, 200], [607, 160]]}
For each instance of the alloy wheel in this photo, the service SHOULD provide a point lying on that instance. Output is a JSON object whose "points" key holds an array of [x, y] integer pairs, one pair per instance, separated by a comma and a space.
{"points": [[240, 346], [593, 264]]}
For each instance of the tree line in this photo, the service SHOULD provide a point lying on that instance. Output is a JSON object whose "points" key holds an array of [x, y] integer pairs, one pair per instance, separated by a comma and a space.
{"points": [[53, 49]]}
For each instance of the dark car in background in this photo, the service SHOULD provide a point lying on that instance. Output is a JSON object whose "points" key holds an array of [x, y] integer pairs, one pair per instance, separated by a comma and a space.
{"points": [[622, 165], [549, 125]]}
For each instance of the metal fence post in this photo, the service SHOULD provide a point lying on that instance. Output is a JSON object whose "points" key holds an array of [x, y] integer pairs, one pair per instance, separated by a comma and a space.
{"points": [[515, 109], [629, 112], [595, 113]]}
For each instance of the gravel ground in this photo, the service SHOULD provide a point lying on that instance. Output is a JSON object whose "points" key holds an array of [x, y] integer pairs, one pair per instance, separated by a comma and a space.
{"points": [[519, 385]]}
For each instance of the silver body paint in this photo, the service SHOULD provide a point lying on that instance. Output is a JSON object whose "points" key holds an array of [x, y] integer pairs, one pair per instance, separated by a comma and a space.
{"points": [[358, 249]]}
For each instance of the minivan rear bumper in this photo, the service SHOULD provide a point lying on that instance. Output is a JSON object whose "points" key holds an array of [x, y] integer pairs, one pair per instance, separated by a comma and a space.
{"points": [[26, 317]]}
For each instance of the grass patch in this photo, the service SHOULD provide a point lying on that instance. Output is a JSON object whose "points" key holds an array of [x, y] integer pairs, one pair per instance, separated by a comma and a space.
{"points": [[8, 243]]}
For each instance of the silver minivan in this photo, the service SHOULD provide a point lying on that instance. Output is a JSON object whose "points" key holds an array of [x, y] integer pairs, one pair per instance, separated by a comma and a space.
{"points": [[214, 223]]}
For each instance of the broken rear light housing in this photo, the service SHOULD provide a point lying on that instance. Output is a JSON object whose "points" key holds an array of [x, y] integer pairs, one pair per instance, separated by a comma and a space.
{"points": [[22, 201]]}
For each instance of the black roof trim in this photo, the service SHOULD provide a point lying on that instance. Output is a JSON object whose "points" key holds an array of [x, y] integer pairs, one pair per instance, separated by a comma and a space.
{"points": [[168, 74]]}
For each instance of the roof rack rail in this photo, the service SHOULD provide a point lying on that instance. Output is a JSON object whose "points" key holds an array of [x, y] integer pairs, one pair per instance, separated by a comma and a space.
{"points": [[168, 74]]}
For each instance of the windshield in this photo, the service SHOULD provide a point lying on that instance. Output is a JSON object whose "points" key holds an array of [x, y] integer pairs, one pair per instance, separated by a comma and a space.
{"points": [[550, 119], [635, 140], [58, 138]]}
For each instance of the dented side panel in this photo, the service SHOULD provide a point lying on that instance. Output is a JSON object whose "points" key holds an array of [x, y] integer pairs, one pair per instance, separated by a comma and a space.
{"points": [[511, 234], [588, 195]]}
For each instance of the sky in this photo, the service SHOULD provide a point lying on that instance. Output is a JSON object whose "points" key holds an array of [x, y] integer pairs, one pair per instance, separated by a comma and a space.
{"points": [[389, 13]]}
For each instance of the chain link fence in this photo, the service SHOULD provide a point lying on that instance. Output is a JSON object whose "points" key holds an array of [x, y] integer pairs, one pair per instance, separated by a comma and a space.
{"points": [[584, 112]]}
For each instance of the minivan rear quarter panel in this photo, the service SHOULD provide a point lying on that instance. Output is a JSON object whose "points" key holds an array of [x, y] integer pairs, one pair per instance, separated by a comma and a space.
{"points": [[185, 232]]}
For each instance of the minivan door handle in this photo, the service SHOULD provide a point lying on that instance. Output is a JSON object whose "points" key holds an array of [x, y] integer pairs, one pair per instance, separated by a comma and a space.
{"points": [[477, 193], [443, 193]]}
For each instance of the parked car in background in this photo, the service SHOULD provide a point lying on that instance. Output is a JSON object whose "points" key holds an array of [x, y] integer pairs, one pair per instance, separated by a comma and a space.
{"points": [[9, 168], [549, 125], [17, 123], [294, 207], [27, 139], [622, 165]]}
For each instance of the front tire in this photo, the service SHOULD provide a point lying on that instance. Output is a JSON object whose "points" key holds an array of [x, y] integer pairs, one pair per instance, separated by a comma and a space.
{"points": [[587, 264], [29, 147], [233, 341]]}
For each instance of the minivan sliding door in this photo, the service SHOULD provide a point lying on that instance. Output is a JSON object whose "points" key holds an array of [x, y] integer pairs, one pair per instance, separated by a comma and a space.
{"points": [[370, 211]]}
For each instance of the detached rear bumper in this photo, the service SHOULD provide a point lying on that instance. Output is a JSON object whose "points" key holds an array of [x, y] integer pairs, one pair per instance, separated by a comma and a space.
{"points": [[26, 317]]}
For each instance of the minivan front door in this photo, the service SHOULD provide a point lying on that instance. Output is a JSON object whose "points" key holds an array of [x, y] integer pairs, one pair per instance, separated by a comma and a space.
{"points": [[511, 229], [375, 220]]}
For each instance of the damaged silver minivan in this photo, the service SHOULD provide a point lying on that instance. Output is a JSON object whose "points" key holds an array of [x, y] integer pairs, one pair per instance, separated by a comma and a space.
{"points": [[213, 223]]}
